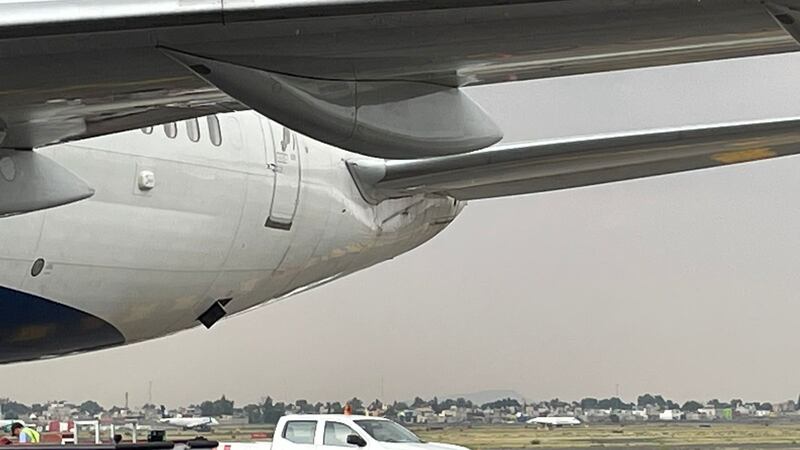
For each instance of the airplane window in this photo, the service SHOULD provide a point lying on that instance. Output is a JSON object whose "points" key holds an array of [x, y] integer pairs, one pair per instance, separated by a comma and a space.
{"points": [[147, 130], [214, 131], [171, 130], [193, 129]]}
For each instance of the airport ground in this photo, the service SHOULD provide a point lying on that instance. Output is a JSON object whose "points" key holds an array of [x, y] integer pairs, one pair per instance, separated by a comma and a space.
{"points": [[682, 436]]}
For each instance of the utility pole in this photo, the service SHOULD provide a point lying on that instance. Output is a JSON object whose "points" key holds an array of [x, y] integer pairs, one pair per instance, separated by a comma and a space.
{"points": [[126, 401]]}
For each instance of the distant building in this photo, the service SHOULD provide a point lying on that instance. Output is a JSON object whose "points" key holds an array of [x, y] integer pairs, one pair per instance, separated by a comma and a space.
{"points": [[786, 407], [407, 416], [707, 413], [693, 416], [60, 411], [670, 415]]}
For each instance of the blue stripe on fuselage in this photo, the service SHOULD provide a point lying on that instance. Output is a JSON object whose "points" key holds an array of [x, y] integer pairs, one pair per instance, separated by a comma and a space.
{"points": [[32, 327]]}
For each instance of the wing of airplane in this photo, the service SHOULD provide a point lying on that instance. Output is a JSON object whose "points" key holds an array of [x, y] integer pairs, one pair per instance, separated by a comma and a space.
{"points": [[544, 166], [378, 77]]}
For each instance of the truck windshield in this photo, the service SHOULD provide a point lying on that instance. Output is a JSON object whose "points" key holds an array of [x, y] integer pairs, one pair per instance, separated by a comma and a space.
{"points": [[387, 431]]}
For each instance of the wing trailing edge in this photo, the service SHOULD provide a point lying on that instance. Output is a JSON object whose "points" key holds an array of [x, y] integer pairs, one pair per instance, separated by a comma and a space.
{"points": [[526, 168]]}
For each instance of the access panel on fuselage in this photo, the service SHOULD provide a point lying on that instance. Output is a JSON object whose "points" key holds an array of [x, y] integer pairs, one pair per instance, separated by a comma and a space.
{"points": [[283, 157]]}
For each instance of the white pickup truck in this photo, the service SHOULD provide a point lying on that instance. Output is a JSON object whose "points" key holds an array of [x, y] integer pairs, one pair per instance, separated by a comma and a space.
{"points": [[335, 431]]}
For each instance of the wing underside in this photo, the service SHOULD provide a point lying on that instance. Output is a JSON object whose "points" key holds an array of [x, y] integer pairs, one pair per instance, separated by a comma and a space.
{"points": [[379, 77]]}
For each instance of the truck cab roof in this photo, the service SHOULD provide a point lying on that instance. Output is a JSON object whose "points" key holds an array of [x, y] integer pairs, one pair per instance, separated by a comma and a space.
{"points": [[330, 416]]}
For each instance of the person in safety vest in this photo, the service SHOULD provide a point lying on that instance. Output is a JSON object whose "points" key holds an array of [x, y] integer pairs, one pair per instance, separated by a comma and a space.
{"points": [[26, 435]]}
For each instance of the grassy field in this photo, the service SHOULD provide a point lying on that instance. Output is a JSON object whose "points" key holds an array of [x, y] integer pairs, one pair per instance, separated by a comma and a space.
{"points": [[649, 436]]}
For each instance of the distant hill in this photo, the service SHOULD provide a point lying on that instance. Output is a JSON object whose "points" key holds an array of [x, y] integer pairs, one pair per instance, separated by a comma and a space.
{"points": [[479, 398]]}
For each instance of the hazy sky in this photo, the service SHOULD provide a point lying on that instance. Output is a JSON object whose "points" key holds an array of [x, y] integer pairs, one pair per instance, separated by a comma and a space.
{"points": [[685, 285]]}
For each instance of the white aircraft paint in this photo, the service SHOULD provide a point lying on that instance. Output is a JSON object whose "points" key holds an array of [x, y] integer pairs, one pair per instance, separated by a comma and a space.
{"points": [[190, 422], [177, 225], [555, 421]]}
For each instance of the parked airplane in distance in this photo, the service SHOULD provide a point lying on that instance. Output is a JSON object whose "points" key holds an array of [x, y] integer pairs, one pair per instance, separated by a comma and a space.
{"points": [[5, 424], [552, 422], [191, 423]]}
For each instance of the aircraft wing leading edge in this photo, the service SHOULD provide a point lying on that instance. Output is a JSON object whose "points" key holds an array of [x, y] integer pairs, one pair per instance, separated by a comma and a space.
{"points": [[546, 166], [379, 77]]}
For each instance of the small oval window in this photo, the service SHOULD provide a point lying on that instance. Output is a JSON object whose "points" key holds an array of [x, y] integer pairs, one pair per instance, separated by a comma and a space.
{"points": [[171, 130], [193, 130], [214, 131], [147, 130], [37, 267]]}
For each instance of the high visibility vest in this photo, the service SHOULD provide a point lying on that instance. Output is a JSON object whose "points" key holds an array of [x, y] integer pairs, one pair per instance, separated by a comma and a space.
{"points": [[32, 436]]}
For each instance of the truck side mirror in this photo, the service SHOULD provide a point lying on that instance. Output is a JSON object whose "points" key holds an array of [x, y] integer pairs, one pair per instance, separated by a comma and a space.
{"points": [[355, 439]]}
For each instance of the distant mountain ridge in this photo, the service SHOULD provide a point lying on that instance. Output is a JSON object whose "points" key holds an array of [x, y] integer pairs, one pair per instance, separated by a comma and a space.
{"points": [[482, 397]]}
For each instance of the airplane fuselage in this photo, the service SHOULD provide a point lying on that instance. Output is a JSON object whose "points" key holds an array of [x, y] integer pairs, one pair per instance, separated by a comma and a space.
{"points": [[190, 220]]}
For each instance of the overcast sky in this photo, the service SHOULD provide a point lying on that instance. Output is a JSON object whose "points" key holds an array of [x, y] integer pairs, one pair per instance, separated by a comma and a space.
{"points": [[685, 285]]}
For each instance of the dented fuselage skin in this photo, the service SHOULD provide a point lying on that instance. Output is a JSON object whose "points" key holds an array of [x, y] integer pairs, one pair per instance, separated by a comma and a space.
{"points": [[176, 227]]}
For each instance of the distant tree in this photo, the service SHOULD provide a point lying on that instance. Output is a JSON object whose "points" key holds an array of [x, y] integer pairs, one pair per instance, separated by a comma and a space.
{"points": [[673, 405], [357, 405], [271, 412], [461, 402], [253, 413], [446, 404], [645, 400], [91, 408], [223, 407], [589, 403], [207, 408], [304, 406], [503, 403], [376, 405], [14, 410], [691, 406], [337, 408], [765, 407], [614, 403], [418, 403], [718, 404], [38, 409], [652, 400], [400, 406]]}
